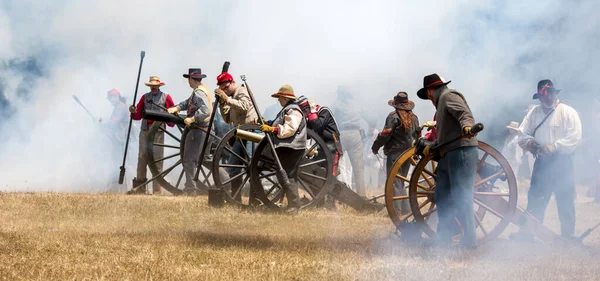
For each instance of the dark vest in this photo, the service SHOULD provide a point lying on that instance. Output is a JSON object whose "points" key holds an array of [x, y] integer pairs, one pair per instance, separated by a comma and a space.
{"points": [[160, 98], [296, 141]]}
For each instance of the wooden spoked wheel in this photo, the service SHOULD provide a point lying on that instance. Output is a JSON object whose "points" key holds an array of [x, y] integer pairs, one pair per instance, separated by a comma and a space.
{"points": [[171, 176], [397, 201], [235, 161], [314, 173], [495, 195]]}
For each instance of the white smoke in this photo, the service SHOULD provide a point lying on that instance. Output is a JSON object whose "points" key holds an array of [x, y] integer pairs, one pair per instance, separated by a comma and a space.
{"points": [[493, 51]]}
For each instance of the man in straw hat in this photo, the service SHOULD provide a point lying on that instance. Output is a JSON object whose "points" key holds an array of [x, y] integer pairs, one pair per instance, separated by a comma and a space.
{"points": [[289, 131], [198, 108], [457, 162], [551, 132], [151, 101], [400, 131], [511, 150], [236, 108]]}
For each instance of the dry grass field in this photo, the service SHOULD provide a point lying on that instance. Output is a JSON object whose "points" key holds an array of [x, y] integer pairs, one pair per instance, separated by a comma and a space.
{"points": [[119, 237]]}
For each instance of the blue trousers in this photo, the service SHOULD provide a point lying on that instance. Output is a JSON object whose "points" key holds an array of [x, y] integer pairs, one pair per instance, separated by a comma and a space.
{"points": [[454, 194]]}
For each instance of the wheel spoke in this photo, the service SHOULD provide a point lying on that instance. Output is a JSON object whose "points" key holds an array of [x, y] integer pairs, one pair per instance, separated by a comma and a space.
{"points": [[237, 192], [169, 133], [232, 178], [313, 176], [179, 178], [491, 193], [430, 212], [243, 148], [307, 188], [262, 176], [482, 161], [167, 157], [232, 166], [497, 174], [312, 163], [236, 155], [478, 220], [166, 145], [488, 208]]}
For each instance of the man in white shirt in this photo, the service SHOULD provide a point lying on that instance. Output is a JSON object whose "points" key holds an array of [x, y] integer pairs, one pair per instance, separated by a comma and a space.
{"points": [[551, 132]]}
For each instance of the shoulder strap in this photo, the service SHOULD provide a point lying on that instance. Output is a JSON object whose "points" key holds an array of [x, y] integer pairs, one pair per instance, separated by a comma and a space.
{"points": [[210, 105], [543, 120]]}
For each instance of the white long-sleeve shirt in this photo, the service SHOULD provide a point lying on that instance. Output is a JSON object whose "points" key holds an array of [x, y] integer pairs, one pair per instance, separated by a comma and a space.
{"points": [[562, 128], [290, 124]]}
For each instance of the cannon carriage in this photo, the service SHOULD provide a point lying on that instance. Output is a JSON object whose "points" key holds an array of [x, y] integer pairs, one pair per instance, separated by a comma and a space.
{"points": [[495, 199]]}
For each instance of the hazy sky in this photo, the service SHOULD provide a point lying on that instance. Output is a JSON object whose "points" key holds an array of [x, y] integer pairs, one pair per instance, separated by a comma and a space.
{"points": [[493, 51]]}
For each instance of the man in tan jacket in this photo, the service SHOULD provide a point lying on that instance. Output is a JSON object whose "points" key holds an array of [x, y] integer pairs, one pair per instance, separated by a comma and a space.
{"points": [[237, 108], [235, 104]]}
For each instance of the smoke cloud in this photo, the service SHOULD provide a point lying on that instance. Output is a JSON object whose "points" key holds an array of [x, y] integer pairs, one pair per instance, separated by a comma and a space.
{"points": [[493, 51]]}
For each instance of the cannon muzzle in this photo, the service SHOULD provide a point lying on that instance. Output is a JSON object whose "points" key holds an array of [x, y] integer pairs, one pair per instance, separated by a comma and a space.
{"points": [[249, 136], [160, 116]]}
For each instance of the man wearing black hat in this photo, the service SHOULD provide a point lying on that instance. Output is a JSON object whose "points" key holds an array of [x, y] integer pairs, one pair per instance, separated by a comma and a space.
{"points": [[457, 162], [400, 131], [199, 108], [551, 132]]}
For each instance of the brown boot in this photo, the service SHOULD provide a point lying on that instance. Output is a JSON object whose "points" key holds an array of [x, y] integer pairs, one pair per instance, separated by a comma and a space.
{"points": [[156, 189]]}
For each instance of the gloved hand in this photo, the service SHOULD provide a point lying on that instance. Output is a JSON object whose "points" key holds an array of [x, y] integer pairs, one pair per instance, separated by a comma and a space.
{"points": [[173, 110], [467, 131], [132, 109], [312, 106], [424, 147], [189, 121], [429, 124], [222, 96], [375, 150], [268, 129], [547, 149], [533, 146]]}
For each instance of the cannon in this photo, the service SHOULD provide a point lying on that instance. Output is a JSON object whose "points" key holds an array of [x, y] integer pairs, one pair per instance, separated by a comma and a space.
{"points": [[495, 199], [172, 157]]}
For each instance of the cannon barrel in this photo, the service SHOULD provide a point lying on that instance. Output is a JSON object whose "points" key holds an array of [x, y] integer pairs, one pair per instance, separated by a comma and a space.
{"points": [[161, 116], [249, 136]]}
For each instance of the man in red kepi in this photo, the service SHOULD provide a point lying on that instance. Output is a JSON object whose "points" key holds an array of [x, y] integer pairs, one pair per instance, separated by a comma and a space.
{"points": [[149, 101], [457, 162], [236, 108]]}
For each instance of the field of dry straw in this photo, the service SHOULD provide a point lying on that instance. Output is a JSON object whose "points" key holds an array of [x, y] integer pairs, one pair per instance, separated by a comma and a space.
{"points": [[119, 237]]}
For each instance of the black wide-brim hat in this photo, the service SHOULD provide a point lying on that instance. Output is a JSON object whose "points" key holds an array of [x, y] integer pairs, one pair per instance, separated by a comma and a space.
{"points": [[430, 81], [546, 83], [194, 73]]}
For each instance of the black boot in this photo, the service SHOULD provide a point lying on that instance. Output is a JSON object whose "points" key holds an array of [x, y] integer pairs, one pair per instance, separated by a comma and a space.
{"points": [[139, 190]]}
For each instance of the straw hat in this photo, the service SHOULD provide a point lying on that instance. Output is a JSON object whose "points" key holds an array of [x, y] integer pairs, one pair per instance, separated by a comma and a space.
{"points": [[285, 91], [155, 81]]}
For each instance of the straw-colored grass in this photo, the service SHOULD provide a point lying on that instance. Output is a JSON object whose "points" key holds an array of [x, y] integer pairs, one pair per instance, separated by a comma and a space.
{"points": [[119, 237]]}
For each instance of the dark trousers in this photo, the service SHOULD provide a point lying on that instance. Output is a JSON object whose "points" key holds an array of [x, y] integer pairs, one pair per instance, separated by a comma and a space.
{"points": [[399, 189], [553, 174], [454, 194], [290, 158]]}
